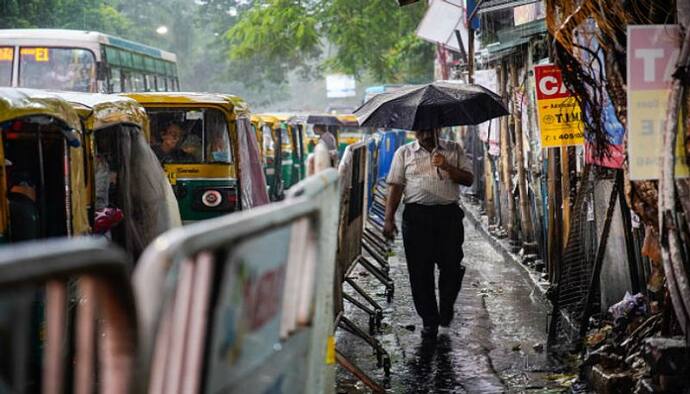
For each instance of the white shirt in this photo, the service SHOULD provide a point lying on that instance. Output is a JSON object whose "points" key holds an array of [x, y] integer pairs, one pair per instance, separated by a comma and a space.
{"points": [[422, 184]]}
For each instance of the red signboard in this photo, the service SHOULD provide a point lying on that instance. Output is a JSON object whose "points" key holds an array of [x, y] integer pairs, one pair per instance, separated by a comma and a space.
{"points": [[550, 82]]}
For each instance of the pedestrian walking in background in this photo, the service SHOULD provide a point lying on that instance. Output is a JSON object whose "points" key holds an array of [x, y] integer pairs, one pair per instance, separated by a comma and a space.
{"points": [[426, 175]]}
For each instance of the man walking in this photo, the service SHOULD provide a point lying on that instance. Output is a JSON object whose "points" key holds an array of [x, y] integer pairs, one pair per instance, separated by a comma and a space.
{"points": [[428, 173]]}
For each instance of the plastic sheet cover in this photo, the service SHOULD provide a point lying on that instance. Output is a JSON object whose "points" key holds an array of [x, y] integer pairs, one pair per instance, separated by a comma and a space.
{"points": [[252, 179], [143, 191]]}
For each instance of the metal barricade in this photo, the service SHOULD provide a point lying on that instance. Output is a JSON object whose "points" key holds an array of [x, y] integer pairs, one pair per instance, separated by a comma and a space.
{"points": [[89, 325], [354, 171], [241, 303]]}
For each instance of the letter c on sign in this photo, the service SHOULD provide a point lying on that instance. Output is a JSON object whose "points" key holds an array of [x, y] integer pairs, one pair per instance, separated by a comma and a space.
{"points": [[548, 85]]}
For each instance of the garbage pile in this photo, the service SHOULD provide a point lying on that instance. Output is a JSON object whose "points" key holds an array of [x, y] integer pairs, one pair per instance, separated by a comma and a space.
{"points": [[626, 352]]}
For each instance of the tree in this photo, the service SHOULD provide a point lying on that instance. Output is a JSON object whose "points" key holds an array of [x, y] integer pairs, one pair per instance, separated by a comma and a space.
{"points": [[360, 36]]}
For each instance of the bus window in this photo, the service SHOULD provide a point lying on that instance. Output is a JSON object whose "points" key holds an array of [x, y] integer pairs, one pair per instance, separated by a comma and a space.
{"points": [[161, 83], [71, 69], [115, 82], [127, 82], [138, 84], [6, 58], [150, 83]]}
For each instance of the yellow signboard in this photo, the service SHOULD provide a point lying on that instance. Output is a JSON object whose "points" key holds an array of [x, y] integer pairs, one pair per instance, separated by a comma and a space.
{"points": [[560, 117], [6, 54], [39, 54]]}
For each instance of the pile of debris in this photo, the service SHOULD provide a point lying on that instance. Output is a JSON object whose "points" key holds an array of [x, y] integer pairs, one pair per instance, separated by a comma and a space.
{"points": [[626, 352]]}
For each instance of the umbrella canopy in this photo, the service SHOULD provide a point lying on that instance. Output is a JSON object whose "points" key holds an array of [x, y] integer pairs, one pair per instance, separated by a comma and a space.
{"points": [[430, 106], [325, 120]]}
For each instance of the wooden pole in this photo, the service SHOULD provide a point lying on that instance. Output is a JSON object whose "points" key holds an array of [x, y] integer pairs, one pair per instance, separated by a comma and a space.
{"points": [[554, 208], [565, 192], [525, 215], [506, 159]]}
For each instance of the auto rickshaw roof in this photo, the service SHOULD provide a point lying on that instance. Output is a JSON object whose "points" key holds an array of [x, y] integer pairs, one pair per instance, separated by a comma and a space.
{"points": [[20, 102], [267, 118], [232, 104], [348, 120], [104, 110]]}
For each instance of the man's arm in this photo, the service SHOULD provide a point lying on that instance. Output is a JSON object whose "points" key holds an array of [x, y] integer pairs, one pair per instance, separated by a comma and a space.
{"points": [[458, 175], [395, 193]]}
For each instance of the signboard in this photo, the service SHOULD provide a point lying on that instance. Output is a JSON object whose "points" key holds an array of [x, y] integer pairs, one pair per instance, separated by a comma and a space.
{"points": [[6, 54], [529, 13], [560, 118], [36, 54], [340, 85], [488, 131], [652, 54], [247, 330]]}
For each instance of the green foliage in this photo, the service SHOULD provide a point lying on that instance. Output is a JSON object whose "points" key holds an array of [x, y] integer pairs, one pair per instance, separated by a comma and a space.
{"points": [[363, 36]]}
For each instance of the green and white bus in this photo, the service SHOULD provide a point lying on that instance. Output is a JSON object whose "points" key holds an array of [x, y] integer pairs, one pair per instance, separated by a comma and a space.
{"points": [[83, 61]]}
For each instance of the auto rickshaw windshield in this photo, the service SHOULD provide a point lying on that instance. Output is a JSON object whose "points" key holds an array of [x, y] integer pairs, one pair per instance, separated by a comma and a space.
{"points": [[190, 136]]}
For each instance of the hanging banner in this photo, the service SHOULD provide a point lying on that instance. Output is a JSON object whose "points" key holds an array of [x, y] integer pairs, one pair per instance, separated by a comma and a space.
{"points": [[488, 131], [652, 54], [560, 118]]}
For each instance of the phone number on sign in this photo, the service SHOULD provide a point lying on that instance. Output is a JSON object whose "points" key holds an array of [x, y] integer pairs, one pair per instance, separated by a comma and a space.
{"points": [[565, 136]]}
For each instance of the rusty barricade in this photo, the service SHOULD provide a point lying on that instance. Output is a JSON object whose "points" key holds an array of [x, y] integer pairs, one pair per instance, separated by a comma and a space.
{"points": [[85, 341], [242, 303]]}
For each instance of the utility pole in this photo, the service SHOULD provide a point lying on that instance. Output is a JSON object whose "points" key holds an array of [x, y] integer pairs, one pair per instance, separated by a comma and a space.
{"points": [[505, 159], [525, 215]]}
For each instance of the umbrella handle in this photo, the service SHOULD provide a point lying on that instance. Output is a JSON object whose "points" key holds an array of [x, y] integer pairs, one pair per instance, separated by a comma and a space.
{"points": [[438, 170]]}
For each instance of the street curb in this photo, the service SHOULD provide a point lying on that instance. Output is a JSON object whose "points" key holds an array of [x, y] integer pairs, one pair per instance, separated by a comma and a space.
{"points": [[538, 288]]}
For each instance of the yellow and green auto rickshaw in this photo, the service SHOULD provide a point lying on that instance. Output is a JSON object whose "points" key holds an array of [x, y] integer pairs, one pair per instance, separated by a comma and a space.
{"points": [[42, 181], [292, 142], [124, 177], [208, 149], [269, 132]]}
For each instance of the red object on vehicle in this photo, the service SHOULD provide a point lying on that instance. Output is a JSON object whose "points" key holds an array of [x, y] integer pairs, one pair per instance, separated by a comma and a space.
{"points": [[106, 219]]}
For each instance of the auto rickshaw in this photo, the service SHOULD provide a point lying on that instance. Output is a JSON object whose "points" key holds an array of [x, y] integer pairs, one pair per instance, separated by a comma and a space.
{"points": [[42, 181], [269, 132], [42, 195], [126, 183], [292, 142], [208, 150]]}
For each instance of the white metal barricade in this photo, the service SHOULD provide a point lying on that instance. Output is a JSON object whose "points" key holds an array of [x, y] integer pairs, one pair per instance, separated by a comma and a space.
{"points": [[243, 303]]}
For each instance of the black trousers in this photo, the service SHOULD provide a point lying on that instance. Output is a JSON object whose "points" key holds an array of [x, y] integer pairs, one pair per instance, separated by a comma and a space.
{"points": [[433, 235]]}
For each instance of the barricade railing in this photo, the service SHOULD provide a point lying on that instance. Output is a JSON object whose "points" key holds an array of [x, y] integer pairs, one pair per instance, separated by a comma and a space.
{"points": [[90, 320], [241, 303], [353, 244]]}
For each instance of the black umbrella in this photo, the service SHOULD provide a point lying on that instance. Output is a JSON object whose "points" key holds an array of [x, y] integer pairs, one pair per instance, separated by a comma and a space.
{"points": [[325, 120], [435, 105]]}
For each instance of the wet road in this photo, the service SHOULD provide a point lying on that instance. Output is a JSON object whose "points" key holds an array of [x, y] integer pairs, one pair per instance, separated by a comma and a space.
{"points": [[495, 342]]}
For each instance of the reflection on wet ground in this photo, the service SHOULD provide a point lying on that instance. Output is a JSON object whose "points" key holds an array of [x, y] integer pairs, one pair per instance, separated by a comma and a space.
{"points": [[496, 341]]}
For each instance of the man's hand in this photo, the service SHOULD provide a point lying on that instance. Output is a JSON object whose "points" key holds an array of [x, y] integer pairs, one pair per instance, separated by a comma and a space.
{"points": [[389, 229], [438, 160]]}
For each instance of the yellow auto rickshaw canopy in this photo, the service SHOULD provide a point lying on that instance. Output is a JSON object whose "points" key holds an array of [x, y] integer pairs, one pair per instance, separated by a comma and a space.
{"points": [[348, 120], [268, 119], [18, 103], [98, 111], [234, 106]]}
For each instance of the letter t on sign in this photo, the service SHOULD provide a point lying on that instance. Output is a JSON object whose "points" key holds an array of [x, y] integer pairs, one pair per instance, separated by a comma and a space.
{"points": [[649, 57]]}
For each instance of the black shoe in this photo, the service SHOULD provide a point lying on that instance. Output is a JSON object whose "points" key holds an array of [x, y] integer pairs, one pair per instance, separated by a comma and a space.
{"points": [[429, 332]]}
